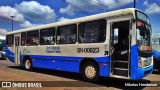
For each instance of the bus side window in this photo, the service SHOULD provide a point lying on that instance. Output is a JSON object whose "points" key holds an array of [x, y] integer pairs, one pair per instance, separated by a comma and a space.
{"points": [[10, 40], [67, 34], [33, 37], [23, 39], [115, 36], [92, 31], [47, 36]]}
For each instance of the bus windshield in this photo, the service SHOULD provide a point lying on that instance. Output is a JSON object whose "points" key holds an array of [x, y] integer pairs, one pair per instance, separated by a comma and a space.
{"points": [[144, 37], [143, 34]]}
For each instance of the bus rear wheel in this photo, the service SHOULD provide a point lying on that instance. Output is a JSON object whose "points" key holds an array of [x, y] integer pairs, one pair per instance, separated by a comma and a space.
{"points": [[90, 72], [28, 64]]}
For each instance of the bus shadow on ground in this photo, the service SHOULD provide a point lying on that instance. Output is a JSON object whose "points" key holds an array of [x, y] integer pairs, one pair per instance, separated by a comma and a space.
{"points": [[2, 59], [79, 82], [156, 72]]}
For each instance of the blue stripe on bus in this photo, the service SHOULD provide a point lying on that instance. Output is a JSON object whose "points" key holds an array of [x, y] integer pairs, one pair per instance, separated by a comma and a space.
{"points": [[156, 54], [9, 55], [66, 58], [65, 63], [134, 62], [136, 72]]}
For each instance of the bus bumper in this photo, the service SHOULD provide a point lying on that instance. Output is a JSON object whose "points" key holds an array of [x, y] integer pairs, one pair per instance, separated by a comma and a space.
{"points": [[138, 73]]}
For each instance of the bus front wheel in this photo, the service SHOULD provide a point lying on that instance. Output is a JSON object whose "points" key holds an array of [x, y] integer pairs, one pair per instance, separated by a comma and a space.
{"points": [[90, 71], [28, 64]]}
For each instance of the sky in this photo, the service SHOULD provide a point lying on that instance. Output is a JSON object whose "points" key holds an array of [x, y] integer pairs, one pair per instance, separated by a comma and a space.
{"points": [[29, 13]]}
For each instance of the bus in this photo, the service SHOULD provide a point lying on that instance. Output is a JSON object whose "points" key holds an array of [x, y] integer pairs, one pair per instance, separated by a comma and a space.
{"points": [[111, 44], [156, 59], [2, 47]]}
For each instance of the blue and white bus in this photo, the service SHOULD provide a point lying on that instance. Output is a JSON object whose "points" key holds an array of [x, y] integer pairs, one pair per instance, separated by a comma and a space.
{"points": [[2, 47], [156, 60], [111, 44]]}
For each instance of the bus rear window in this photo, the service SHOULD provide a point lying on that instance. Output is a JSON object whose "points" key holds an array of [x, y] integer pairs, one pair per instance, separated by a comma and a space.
{"points": [[10, 40], [33, 38], [92, 32]]}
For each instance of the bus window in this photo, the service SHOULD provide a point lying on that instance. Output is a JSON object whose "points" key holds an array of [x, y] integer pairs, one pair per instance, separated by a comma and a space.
{"points": [[92, 32], [66, 34], [23, 39], [9, 41], [115, 36], [47, 36], [33, 37]]}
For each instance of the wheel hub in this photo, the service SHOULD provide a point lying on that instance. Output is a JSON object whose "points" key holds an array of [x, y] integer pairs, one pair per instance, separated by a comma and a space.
{"points": [[90, 71], [27, 64]]}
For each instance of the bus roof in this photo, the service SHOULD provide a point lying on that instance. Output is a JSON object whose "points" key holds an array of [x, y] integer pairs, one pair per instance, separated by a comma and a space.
{"points": [[78, 20]]}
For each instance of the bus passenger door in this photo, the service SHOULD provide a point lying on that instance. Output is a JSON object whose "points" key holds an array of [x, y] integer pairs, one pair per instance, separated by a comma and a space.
{"points": [[120, 48], [16, 50]]}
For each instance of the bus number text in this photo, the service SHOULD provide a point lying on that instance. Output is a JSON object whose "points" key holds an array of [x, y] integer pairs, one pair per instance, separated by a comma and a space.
{"points": [[88, 50]]}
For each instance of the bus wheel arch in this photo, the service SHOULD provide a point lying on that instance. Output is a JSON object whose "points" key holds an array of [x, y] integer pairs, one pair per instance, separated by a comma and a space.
{"points": [[89, 65], [27, 61]]}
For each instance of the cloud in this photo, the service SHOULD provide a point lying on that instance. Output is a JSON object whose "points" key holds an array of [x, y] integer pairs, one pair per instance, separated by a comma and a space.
{"points": [[92, 5], [7, 11], [28, 11], [28, 24], [63, 19], [152, 8], [146, 3], [36, 12], [3, 32]]}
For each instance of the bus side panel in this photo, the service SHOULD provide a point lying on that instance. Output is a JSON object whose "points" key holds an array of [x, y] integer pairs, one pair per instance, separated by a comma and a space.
{"points": [[66, 63], [10, 54], [134, 62], [55, 62], [104, 65], [71, 66]]}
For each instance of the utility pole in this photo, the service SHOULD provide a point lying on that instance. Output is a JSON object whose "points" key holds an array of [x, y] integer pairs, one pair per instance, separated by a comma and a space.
{"points": [[134, 3], [12, 21]]}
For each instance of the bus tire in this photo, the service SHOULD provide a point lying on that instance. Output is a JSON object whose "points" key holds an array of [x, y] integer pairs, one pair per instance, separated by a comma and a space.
{"points": [[28, 64], [90, 72]]}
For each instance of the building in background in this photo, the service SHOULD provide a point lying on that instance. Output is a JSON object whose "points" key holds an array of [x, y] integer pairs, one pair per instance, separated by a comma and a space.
{"points": [[156, 38]]}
